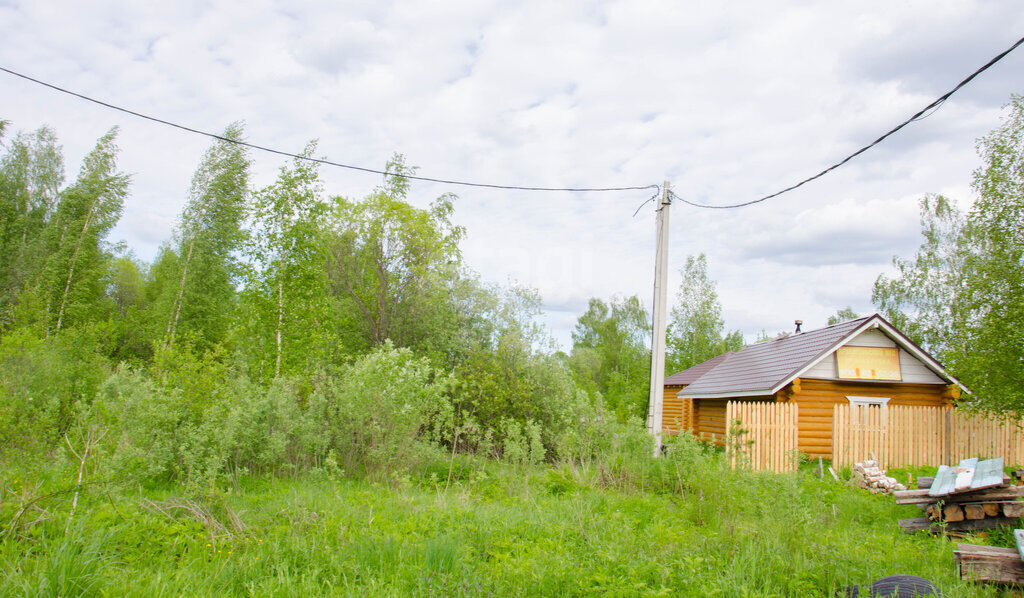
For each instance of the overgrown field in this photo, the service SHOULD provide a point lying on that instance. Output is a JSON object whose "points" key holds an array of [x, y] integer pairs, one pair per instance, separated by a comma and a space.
{"points": [[683, 525]]}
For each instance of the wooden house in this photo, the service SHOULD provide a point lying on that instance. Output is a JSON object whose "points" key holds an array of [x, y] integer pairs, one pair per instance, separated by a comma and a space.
{"points": [[865, 361]]}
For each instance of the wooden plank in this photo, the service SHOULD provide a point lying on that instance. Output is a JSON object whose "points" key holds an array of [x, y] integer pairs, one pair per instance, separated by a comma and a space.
{"points": [[988, 473], [965, 474], [945, 482], [1009, 493], [989, 564], [909, 497]]}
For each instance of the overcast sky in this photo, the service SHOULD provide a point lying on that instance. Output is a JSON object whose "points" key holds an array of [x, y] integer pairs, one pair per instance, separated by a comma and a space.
{"points": [[729, 101]]}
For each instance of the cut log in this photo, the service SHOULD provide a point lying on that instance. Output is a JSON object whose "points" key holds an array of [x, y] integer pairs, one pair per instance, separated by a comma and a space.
{"points": [[991, 509], [953, 512], [932, 512], [925, 482], [1013, 509], [989, 564], [974, 511]]}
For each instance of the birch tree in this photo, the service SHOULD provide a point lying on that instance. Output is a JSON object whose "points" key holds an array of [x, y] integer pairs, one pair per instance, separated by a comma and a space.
{"points": [[287, 291], [73, 280], [31, 175], [208, 237]]}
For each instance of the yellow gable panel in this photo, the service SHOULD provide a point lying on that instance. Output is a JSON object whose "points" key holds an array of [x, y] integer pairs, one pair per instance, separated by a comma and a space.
{"points": [[868, 363]]}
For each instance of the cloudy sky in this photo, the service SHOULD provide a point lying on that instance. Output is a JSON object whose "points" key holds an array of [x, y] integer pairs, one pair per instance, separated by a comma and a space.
{"points": [[729, 101]]}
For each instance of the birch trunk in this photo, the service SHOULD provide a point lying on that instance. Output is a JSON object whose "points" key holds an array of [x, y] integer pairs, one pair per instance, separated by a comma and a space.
{"points": [[71, 267], [172, 325], [280, 320]]}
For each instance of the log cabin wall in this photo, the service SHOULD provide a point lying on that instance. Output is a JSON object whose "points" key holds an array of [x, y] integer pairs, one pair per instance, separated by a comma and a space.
{"points": [[675, 415], [817, 398], [709, 420]]}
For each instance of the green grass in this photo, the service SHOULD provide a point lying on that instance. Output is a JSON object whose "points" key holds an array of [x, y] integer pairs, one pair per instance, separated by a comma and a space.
{"points": [[498, 530]]}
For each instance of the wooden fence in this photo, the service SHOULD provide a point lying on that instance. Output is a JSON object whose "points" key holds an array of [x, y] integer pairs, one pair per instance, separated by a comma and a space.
{"points": [[762, 435], [900, 436]]}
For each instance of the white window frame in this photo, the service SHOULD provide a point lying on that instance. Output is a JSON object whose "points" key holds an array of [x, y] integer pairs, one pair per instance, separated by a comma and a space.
{"points": [[882, 402]]}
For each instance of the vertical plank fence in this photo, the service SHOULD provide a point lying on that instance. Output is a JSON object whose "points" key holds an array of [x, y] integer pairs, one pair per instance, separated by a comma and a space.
{"points": [[986, 437], [762, 435], [902, 436]]}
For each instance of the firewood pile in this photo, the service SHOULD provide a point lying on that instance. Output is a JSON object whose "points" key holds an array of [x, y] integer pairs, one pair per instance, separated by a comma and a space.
{"points": [[867, 475], [972, 496]]}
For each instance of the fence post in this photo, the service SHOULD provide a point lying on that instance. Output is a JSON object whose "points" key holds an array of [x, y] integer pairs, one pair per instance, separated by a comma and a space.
{"points": [[949, 438]]}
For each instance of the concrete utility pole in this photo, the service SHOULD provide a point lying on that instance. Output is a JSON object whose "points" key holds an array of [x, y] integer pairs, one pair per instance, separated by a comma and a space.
{"points": [[654, 411]]}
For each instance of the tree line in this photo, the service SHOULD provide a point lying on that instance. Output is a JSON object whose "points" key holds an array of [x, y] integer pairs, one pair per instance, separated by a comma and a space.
{"points": [[283, 327]]}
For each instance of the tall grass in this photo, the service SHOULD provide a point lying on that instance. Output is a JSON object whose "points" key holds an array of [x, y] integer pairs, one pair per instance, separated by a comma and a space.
{"points": [[622, 524]]}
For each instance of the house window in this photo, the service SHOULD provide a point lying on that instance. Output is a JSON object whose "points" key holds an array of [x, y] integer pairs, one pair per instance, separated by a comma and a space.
{"points": [[860, 407]]}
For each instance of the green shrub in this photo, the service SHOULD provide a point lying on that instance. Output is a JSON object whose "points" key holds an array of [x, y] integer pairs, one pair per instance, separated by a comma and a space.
{"points": [[521, 443], [379, 415], [42, 380]]}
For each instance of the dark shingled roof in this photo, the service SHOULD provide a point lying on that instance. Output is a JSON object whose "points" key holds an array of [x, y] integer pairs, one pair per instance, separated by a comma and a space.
{"points": [[689, 375], [757, 369]]}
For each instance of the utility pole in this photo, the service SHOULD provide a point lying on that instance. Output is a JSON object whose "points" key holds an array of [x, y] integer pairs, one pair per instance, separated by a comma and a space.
{"points": [[654, 411]]}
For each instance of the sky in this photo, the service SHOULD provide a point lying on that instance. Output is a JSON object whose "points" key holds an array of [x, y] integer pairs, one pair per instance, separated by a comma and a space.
{"points": [[727, 101]]}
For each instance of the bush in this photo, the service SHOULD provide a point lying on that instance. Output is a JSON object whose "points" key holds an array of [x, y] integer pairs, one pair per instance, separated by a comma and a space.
{"points": [[521, 443], [161, 436], [379, 416], [42, 383]]}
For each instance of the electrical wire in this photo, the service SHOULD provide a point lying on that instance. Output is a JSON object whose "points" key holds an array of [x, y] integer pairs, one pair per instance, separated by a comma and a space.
{"points": [[649, 200], [320, 160], [920, 115]]}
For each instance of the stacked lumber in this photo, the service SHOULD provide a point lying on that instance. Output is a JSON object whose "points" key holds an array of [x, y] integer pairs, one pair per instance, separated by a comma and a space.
{"points": [[867, 475], [971, 496]]}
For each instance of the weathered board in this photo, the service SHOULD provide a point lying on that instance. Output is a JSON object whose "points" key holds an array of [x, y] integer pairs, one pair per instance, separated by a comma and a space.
{"points": [[965, 474], [969, 475], [944, 482], [989, 564], [1009, 493], [988, 474]]}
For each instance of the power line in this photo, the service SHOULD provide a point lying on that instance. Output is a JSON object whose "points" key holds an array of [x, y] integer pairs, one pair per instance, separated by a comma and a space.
{"points": [[322, 161], [918, 116]]}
